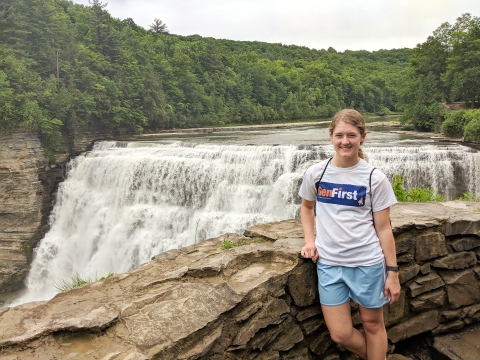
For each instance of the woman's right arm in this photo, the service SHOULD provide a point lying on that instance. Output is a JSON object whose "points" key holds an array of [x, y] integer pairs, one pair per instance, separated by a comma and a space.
{"points": [[307, 217]]}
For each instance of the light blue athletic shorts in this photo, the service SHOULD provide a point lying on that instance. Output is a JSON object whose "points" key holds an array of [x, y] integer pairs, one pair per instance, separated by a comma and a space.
{"points": [[363, 284]]}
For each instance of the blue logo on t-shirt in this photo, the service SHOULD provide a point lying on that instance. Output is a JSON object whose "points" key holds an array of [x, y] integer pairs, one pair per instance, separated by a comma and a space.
{"points": [[341, 194]]}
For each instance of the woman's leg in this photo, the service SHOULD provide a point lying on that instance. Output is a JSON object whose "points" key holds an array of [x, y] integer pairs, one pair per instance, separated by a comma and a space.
{"points": [[376, 335], [339, 323]]}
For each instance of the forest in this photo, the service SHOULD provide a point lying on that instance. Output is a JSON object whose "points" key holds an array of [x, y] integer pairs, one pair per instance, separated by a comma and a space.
{"points": [[66, 67]]}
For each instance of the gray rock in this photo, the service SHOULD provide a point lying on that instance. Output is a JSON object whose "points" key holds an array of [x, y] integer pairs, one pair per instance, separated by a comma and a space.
{"points": [[414, 326], [428, 301], [270, 314], [425, 283], [466, 243], [426, 268], [302, 284], [462, 288], [461, 226], [395, 312], [429, 246], [321, 343], [461, 260], [408, 273], [456, 347], [448, 327], [309, 312]]}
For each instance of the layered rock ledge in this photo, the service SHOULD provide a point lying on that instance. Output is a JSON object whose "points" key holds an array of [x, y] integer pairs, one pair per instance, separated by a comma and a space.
{"points": [[256, 301]]}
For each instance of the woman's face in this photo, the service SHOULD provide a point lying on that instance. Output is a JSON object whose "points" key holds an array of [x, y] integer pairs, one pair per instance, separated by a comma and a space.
{"points": [[346, 140]]}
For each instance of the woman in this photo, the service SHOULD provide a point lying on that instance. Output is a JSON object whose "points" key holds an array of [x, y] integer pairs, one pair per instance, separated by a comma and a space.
{"points": [[354, 247]]}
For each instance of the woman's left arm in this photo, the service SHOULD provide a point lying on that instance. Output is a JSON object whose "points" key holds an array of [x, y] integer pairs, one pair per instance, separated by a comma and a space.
{"points": [[387, 242]]}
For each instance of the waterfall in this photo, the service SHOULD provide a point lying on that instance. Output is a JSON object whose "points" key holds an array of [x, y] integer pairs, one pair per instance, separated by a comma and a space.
{"points": [[125, 202]]}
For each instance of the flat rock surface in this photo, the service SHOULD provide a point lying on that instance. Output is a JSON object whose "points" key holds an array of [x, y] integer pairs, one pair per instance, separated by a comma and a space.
{"points": [[185, 301], [461, 346]]}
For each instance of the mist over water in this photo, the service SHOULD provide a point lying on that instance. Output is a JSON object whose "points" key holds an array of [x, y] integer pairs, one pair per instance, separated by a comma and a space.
{"points": [[125, 202]]}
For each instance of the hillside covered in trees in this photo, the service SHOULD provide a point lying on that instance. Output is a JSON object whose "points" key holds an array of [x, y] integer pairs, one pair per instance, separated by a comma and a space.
{"points": [[65, 66], [445, 68], [113, 73]]}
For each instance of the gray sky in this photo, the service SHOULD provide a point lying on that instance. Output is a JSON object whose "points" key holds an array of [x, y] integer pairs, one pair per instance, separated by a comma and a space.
{"points": [[341, 24]]}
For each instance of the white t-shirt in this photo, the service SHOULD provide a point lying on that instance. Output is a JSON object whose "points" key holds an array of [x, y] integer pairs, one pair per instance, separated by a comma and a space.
{"points": [[345, 234]]}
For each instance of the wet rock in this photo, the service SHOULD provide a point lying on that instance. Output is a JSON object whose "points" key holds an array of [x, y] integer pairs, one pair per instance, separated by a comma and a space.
{"points": [[429, 246]]}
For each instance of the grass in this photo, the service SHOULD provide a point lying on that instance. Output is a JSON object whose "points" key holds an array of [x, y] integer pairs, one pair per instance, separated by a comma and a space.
{"points": [[3, 267], [76, 280], [227, 244]]}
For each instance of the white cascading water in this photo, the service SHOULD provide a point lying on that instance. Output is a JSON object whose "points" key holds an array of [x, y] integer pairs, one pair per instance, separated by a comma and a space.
{"points": [[124, 203]]}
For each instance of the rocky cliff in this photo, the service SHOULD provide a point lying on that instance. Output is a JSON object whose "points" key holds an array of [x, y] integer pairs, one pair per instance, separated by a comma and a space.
{"points": [[26, 180], [27, 183], [256, 301]]}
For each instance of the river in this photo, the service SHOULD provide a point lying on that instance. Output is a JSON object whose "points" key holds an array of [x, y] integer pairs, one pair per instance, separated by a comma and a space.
{"points": [[125, 201]]}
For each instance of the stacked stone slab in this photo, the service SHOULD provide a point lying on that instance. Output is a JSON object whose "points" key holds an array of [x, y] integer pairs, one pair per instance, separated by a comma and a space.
{"points": [[439, 270], [256, 301]]}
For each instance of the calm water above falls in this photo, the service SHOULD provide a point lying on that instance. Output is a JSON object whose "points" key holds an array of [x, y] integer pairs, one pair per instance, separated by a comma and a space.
{"points": [[124, 202]]}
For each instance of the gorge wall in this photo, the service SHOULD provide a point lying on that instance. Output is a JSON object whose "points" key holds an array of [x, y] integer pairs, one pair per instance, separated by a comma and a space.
{"points": [[27, 183], [255, 301]]}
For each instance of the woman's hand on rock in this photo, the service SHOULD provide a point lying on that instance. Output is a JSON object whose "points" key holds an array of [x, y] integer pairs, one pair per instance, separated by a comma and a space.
{"points": [[309, 251]]}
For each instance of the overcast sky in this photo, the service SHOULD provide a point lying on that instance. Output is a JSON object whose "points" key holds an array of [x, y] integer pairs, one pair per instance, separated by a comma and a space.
{"points": [[341, 24]]}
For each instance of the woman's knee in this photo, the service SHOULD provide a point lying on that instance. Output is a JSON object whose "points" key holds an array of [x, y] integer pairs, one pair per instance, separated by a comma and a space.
{"points": [[373, 326], [341, 336]]}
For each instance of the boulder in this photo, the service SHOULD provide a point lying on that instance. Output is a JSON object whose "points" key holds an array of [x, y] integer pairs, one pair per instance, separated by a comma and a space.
{"points": [[462, 288], [461, 260], [425, 283], [429, 246], [466, 243], [428, 301], [414, 326]]}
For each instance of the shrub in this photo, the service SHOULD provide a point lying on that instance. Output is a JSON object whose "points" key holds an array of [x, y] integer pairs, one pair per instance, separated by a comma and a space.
{"points": [[76, 280], [454, 123], [414, 194], [472, 129], [227, 244]]}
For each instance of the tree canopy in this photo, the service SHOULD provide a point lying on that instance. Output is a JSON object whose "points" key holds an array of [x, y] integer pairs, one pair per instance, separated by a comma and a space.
{"points": [[113, 73], [445, 68]]}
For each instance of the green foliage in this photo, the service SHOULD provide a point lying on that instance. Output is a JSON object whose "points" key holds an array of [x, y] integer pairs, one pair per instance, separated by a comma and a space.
{"points": [[414, 194], [454, 123], [76, 280], [468, 197], [227, 244], [115, 74], [472, 128], [445, 67]]}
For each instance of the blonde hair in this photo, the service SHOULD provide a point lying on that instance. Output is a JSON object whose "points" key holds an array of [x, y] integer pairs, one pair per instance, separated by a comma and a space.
{"points": [[352, 117]]}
